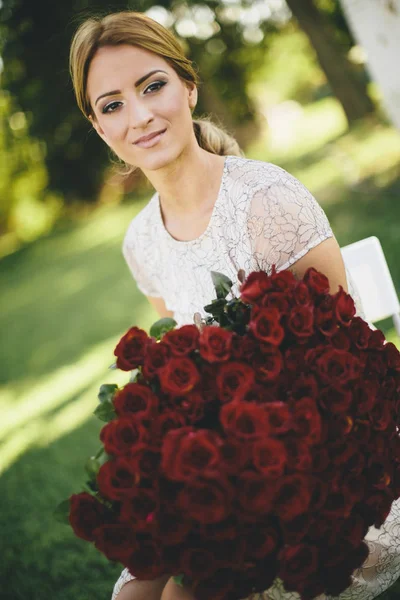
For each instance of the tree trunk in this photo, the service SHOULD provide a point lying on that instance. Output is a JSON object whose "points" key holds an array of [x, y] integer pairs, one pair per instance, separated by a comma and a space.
{"points": [[376, 25], [346, 86]]}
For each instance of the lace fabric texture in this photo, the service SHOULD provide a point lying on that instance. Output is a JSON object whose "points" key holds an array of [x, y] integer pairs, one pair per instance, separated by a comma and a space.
{"points": [[263, 216]]}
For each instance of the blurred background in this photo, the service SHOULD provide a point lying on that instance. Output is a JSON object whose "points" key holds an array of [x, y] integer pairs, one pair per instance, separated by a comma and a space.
{"points": [[290, 80]]}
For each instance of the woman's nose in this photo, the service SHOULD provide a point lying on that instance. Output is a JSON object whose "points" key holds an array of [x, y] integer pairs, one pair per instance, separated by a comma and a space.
{"points": [[140, 115]]}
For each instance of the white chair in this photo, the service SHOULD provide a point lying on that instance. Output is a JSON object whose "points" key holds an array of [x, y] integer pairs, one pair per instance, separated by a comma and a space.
{"points": [[368, 267]]}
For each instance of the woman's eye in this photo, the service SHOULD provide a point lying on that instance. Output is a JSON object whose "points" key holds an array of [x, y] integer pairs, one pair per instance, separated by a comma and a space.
{"points": [[111, 107], [154, 87]]}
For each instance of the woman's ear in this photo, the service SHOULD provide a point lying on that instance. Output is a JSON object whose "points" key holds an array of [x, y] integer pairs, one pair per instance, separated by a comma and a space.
{"points": [[193, 95]]}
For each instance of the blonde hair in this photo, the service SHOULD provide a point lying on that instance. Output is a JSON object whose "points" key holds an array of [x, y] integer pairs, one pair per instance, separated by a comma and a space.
{"points": [[137, 29]]}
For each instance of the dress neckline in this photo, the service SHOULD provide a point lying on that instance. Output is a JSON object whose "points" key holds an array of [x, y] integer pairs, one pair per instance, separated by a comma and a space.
{"points": [[196, 240]]}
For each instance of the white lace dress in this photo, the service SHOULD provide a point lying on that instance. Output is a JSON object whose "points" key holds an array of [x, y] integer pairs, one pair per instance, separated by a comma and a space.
{"points": [[262, 216]]}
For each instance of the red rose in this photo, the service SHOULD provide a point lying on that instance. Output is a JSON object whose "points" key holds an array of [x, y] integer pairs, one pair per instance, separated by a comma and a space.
{"points": [[172, 528], [198, 563], [316, 282], [86, 514], [179, 376], [189, 453], [115, 541], [244, 347], [215, 344], [307, 420], [191, 406], [135, 398], [262, 541], [140, 507], [278, 417], [376, 340], [301, 321], [359, 333], [293, 496], [206, 500], [121, 435], [298, 454], [117, 479], [304, 386], [268, 365], [377, 506], [344, 307], [277, 300], [301, 295], [145, 460], [339, 503], [234, 455], [255, 494], [265, 326], [233, 378], [392, 356], [131, 349], [245, 421], [283, 281], [269, 457], [365, 396], [335, 400], [376, 363], [145, 561], [342, 338], [337, 366], [381, 416], [297, 563], [295, 359], [183, 340], [325, 317], [260, 394], [167, 421], [157, 356], [255, 286]]}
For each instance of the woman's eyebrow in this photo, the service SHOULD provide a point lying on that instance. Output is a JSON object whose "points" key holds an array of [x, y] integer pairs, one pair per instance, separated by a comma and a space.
{"points": [[138, 82]]}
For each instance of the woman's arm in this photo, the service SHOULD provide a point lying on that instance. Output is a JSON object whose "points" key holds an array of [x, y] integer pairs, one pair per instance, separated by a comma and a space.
{"points": [[143, 590], [160, 307], [326, 258]]}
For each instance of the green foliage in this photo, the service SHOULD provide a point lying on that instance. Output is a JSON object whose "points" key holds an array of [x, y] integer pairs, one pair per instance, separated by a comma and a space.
{"points": [[162, 326]]}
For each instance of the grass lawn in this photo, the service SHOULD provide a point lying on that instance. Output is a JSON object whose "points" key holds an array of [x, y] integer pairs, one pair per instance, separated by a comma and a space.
{"points": [[65, 301]]}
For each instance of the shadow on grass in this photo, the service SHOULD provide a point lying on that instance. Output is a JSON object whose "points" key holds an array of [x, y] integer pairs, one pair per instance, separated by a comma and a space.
{"points": [[40, 557]]}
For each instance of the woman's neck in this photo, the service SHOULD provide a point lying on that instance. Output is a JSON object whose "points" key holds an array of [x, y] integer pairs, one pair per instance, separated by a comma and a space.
{"points": [[190, 184]]}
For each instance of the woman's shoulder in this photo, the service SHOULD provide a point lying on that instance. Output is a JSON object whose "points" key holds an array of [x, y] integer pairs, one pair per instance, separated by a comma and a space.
{"points": [[256, 172], [142, 225]]}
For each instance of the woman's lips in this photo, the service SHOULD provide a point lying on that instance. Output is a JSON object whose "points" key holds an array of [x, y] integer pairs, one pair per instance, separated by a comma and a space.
{"points": [[150, 141]]}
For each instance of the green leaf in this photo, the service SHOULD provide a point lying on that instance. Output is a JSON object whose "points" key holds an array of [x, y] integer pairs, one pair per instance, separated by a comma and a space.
{"points": [[92, 467], [216, 308], [61, 512], [222, 284], [106, 392], [160, 327], [178, 579], [105, 411]]}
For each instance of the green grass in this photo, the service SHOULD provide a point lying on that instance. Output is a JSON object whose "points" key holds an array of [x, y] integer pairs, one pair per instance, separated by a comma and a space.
{"points": [[65, 301]]}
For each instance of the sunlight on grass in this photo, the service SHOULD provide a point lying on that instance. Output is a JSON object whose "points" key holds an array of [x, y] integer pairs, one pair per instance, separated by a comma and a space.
{"points": [[59, 402]]}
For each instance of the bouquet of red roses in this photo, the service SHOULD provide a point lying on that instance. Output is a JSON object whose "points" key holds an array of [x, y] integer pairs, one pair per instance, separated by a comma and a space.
{"points": [[258, 449]]}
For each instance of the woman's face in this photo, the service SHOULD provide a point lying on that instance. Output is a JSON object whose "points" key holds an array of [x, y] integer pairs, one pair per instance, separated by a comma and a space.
{"points": [[135, 94]]}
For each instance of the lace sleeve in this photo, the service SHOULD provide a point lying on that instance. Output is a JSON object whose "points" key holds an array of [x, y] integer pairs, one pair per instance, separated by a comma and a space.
{"points": [[143, 281], [284, 222]]}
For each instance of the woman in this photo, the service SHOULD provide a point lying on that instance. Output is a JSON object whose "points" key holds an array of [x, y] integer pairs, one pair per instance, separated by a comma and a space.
{"points": [[213, 210]]}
